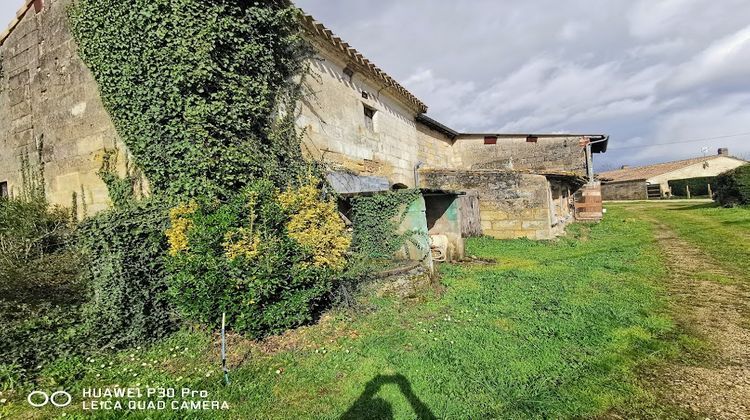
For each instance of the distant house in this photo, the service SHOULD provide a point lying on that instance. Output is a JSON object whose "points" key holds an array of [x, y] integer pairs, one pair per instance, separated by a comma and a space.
{"points": [[652, 181]]}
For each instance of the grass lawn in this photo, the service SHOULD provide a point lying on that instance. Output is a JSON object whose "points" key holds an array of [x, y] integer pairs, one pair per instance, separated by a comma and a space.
{"points": [[723, 233], [552, 329]]}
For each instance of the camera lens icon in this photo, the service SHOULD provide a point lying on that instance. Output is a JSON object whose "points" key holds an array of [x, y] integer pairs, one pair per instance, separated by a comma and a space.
{"points": [[41, 398]]}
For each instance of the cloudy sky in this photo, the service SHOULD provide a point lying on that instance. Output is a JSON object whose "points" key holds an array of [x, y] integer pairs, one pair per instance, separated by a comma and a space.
{"points": [[645, 72]]}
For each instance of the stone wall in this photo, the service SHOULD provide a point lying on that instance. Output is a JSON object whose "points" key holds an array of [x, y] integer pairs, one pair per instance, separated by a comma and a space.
{"points": [[50, 108], [336, 130], [511, 204], [547, 154], [627, 190]]}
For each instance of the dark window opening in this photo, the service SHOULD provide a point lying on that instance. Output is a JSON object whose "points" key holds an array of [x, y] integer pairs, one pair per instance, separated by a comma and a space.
{"points": [[365, 95], [4, 189], [490, 140], [370, 118]]}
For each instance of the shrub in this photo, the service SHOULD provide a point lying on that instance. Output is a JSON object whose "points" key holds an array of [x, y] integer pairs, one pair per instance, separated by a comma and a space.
{"points": [[124, 251], [733, 187], [698, 186], [40, 295], [251, 258]]}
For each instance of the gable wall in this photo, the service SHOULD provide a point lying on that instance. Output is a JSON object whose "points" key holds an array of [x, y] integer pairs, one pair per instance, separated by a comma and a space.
{"points": [[712, 167], [332, 116], [50, 108]]}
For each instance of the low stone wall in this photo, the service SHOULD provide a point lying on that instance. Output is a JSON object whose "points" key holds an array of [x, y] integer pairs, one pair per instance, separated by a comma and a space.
{"points": [[627, 190], [511, 204]]}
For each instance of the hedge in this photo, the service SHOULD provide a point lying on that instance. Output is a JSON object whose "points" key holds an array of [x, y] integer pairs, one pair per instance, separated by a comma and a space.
{"points": [[698, 186], [733, 187]]}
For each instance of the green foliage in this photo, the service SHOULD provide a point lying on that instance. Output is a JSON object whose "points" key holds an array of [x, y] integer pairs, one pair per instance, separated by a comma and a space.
{"points": [[201, 91], [120, 189], [124, 250], [698, 186], [238, 258], [553, 330], [376, 221], [733, 187], [39, 292]]}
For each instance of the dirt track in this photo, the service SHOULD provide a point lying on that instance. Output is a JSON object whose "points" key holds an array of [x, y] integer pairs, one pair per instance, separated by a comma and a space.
{"points": [[716, 383]]}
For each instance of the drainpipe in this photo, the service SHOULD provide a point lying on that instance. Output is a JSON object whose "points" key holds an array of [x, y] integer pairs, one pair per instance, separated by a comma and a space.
{"points": [[590, 159], [416, 173]]}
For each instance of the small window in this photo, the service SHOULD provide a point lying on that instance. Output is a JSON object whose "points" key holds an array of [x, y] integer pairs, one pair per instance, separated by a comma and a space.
{"points": [[490, 140], [4, 189], [370, 118]]}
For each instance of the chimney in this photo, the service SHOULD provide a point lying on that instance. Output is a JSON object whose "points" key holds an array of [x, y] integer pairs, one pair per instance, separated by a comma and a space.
{"points": [[625, 167], [723, 151]]}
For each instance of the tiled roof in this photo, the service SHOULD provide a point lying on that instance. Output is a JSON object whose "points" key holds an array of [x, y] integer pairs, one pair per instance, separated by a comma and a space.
{"points": [[318, 29], [650, 171]]}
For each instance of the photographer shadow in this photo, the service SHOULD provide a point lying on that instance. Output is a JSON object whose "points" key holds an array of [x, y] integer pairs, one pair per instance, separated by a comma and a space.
{"points": [[368, 406]]}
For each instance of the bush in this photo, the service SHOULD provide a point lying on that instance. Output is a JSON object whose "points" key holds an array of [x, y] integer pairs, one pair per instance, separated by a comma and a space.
{"points": [[124, 252], [733, 187], [40, 295], [267, 259], [698, 186]]}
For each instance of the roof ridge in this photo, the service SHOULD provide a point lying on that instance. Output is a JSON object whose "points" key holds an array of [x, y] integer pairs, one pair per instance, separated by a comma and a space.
{"points": [[315, 27], [653, 165]]}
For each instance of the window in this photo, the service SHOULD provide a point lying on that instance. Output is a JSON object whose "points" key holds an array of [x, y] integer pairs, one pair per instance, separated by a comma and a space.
{"points": [[490, 140], [369, 118], [4, 189]]}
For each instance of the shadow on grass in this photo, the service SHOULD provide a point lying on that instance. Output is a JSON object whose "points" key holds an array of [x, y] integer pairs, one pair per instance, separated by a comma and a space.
{"points": [[693, 207], [368, 406]]}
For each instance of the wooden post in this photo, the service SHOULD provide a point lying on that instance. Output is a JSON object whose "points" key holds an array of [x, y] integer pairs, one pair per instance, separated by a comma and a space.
{"points": [[687, 189]]}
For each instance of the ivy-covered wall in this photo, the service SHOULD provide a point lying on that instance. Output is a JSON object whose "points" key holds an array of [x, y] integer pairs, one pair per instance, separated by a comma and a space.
{"points": [[193, 87]]}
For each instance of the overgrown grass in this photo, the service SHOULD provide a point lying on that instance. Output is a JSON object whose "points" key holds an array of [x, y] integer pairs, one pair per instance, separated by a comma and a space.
{"points": [[553, 330]]}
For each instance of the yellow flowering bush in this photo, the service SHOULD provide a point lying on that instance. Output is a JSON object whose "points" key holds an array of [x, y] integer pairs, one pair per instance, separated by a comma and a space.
{"points": [[241, 242], [180, 223], [315, 225], [267, 259]]}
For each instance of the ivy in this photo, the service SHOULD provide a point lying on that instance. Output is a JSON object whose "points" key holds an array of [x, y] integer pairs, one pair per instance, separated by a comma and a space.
{"points": [[376, 223], [197, 88], [123, 251]]}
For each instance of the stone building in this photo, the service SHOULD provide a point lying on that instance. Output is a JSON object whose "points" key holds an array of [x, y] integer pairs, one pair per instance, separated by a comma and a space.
{"points": [[371, 131], [652, 181]]}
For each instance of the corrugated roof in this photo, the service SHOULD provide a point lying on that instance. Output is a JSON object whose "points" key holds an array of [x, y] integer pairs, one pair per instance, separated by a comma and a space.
{"points": [[650, 171]]}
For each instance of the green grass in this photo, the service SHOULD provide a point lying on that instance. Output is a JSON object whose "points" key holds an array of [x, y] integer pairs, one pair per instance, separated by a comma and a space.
{"points": [[722, 233], [554, 329]]}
